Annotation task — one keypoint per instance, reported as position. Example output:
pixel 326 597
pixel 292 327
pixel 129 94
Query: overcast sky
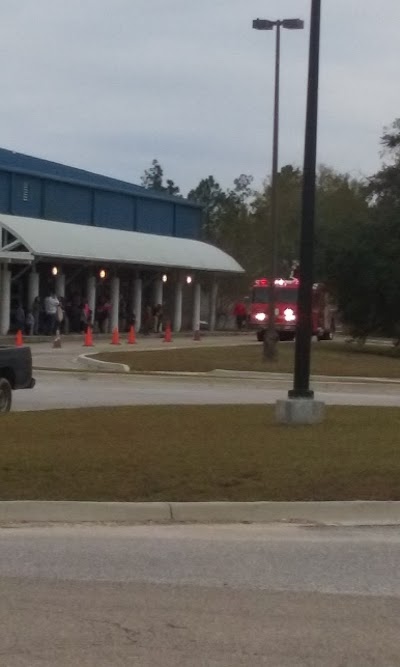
pixel 108 85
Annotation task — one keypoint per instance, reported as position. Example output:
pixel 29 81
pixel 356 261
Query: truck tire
pixel 5 395
pixel 260 336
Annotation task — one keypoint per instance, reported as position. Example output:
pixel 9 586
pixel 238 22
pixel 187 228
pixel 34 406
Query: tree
pixel 235 230
pixel 227 222
pixel 289 211
pixel 362 248
pixel 384 186
pixel 171 188
pixel 357 234
pixel 390 139
pixel 153 179
pixel 341 207
pixel 211 197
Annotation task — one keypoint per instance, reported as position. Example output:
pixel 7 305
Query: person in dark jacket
pixel 240 314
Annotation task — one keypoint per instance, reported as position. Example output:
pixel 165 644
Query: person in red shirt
pixel 240 313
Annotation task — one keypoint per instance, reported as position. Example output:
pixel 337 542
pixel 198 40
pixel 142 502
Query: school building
pixel 91 237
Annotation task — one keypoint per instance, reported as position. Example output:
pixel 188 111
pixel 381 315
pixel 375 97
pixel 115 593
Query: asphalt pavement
pixel 194 596
pixel 85 389
pixel 71 386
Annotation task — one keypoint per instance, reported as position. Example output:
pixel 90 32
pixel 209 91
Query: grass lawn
pixel 199 453
pixel 327 359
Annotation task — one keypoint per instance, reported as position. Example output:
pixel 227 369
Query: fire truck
pixel 286 292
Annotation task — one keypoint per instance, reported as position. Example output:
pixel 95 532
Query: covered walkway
pixel 134 271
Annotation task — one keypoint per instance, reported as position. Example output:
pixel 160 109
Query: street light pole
pixel 301 385
pixel 271 336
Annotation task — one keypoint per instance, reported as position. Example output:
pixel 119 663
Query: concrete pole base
pixel 299 411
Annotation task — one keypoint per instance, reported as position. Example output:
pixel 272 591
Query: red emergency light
pixel 280 282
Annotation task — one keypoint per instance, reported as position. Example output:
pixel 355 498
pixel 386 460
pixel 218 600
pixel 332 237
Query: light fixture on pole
pixel 270 337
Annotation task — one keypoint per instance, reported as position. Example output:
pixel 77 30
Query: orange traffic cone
pixel 115 337
pixel 168 334
pixel 18 339
pixel 88 338
pixel 132 336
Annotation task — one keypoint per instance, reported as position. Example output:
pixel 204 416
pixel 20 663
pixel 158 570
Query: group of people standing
pixel 51 314
pixel 46 316
pixel 54 313
pixel 42 317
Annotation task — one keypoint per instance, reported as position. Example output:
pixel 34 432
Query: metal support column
pixel 137 302
pixel 177 325
pixel 5 300
pixel 196 306
pixel 114 302
pixel 91 295
pixel 33 288
pixel 60 285
pixel 158 292
pixel 213 305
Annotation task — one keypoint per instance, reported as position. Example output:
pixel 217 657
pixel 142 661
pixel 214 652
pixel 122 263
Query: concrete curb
pixel 63 511
pixel 329 513
pixel 105 366
pixel 348 513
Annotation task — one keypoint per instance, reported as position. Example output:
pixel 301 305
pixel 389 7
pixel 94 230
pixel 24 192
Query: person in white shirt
pixel 51 304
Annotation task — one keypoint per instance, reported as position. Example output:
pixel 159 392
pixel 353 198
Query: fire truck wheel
pixel 260 336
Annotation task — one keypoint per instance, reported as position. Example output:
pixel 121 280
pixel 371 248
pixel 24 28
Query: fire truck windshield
pixel 282 294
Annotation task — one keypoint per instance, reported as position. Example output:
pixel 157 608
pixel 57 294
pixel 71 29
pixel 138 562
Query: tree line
pixel 357 233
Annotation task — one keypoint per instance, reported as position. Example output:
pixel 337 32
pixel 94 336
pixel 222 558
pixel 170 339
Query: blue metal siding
pixel 5 192
pixel 26 196
pixel 33 166
pixel 40 188
pixel 114 210
pixel 155 217
pixel 67 203
pixel 187 223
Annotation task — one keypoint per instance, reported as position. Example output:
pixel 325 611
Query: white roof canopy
pixel 47 239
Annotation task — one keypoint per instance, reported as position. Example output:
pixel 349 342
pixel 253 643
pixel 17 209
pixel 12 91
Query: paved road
pixel 69 390
pixel 223 596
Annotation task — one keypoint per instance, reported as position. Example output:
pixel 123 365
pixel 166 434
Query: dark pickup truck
pixel 15 373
